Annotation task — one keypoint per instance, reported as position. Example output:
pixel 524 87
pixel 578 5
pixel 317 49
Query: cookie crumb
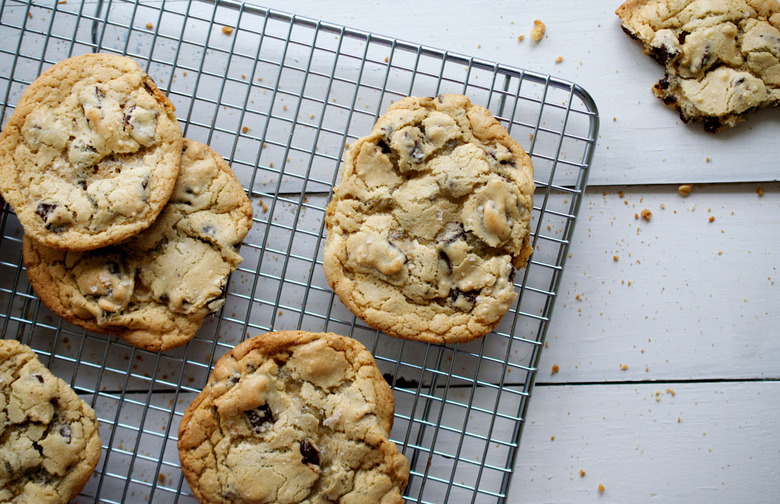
pixel 646 214
pixel 624 367
pixel 615 258
pixel 707 160
pixel 552 438
pixel 387 59
pixel 601 488
pixel 759 191
pixel 684 190
pixel 712 218
pixel 245 129
pixel 520 38
pixel 149 26
pixel 559 59
pixel 538 30
pixel 582 473
pixel 227 30
pixel 555 368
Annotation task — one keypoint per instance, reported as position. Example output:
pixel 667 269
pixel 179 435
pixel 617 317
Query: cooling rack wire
pixel 279 96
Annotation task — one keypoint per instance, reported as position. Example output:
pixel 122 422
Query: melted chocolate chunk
pixel 259 417
pixel 681 37
pixel 66 433
pixel 309 453
pixel 44 209
pixel 457 297
pixel 385 148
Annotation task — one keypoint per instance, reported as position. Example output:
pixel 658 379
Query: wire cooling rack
pixel 280 96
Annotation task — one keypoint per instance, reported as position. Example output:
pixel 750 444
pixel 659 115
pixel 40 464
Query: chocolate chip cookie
pixel 430 220
pixel 722 58
pixel 91 153
pixel 291 417
pixel 155 288
pixel 49 440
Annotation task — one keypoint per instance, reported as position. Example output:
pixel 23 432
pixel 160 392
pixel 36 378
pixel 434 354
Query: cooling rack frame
pixel 280 96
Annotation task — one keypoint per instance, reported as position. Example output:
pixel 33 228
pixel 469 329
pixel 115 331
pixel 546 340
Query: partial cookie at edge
pixel 51 443
pixel 722 59
pixel 292 415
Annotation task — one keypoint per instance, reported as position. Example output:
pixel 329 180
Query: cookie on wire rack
pixel 721 58
pixel 156 288
pixel 49 439
pixel 293 416
pixel 430 220
pixel 91 153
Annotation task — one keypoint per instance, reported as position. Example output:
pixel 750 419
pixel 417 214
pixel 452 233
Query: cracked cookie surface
pixel 721 57
pixel 91 153
pixel 49 440
pixel 155 288
pixel 430 220
pixel 291 417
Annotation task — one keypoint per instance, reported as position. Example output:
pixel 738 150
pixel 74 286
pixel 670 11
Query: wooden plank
pixel 641 140
pixel 682 442
pixel 686 297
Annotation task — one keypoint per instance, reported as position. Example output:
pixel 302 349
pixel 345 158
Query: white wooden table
pixel 669 357
pixel 665 332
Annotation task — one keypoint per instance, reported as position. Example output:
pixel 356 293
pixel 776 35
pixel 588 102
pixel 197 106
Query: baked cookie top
pixel 155 288
pixel 91 153
pixel 291 417
pixel 430 220
pixel 722 57
pixel 49 440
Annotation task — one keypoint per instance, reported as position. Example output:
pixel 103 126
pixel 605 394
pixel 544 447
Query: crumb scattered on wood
pixel 538 30
pixel 684 190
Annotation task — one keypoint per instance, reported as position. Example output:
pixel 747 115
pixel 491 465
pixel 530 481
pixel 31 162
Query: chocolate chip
pixel 209 230
pixel 145 183
pixel 681 37
pixel 459 297
pixel 385 148
pixel 38 377
pixel 99 94
pixel 309 453
pixel 66 433
pixel 416 152
pixel 739 81
pixel 259 417
pixel 663 83
pixel 44 209
pixel 112 267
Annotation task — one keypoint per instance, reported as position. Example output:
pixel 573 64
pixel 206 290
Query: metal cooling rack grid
pixel 279 96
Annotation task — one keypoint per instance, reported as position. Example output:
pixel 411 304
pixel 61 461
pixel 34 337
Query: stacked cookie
pixel 721 58
pixel 129 229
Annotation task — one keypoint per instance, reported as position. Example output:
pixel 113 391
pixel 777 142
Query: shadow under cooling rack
pixel 280 96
